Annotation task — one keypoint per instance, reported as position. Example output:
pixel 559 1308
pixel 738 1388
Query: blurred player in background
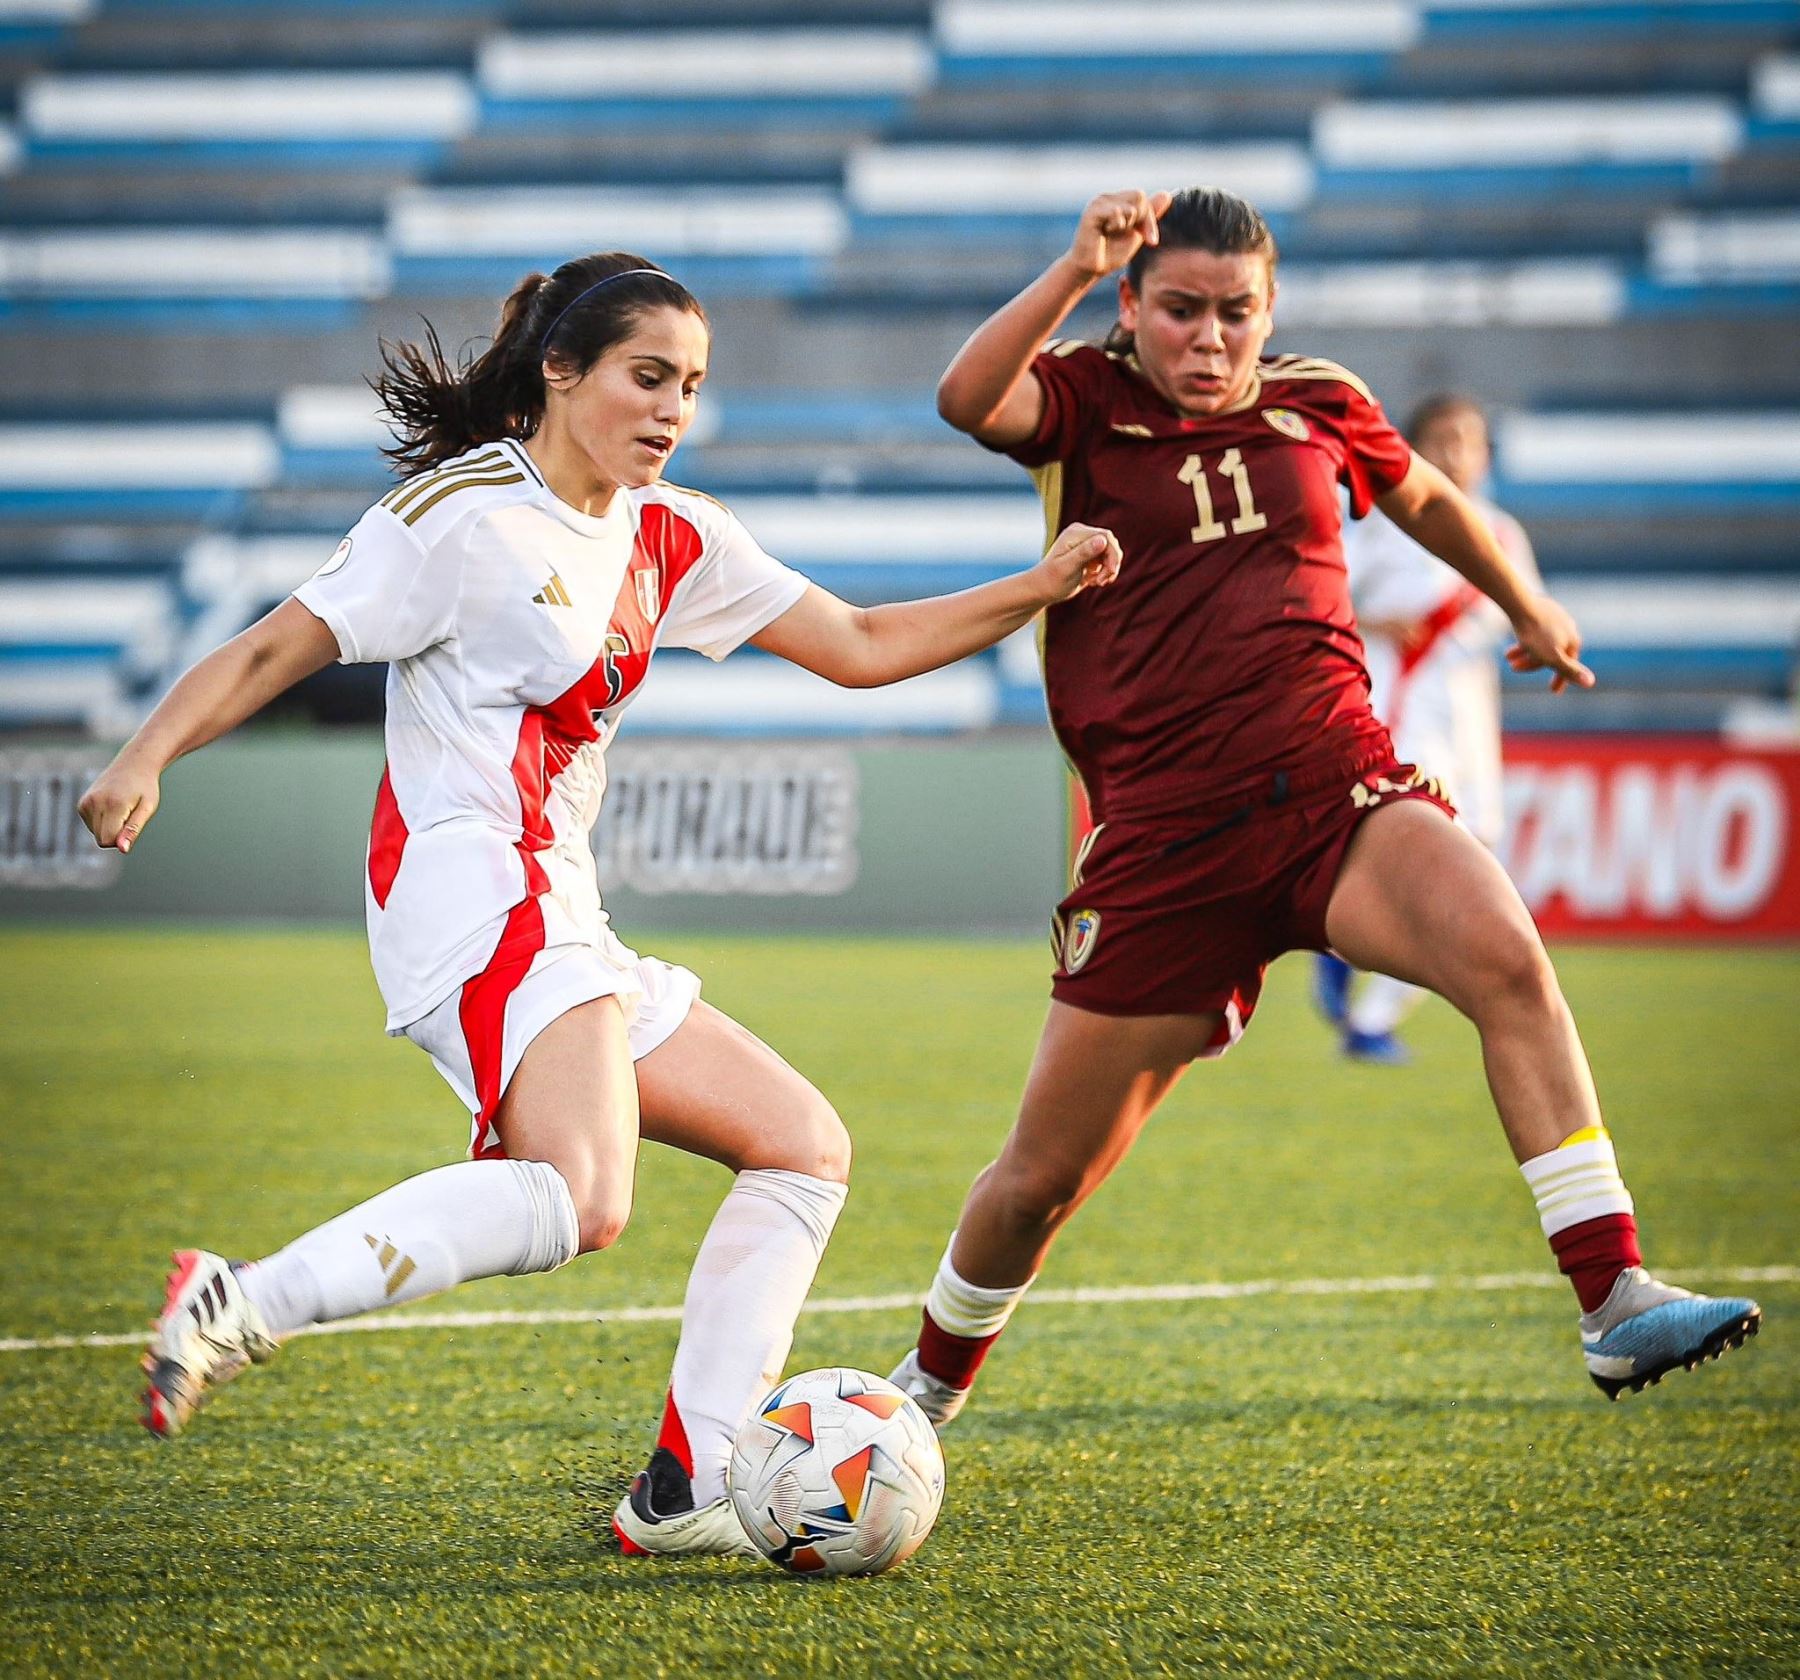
pixel 1431 640
pixel 1246 799
pixel 517 582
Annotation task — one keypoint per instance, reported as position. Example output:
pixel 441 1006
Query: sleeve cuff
pixel 782 594
pixel 320 606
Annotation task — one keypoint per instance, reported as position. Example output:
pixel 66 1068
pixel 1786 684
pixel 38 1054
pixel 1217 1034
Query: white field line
pixel 1126 1294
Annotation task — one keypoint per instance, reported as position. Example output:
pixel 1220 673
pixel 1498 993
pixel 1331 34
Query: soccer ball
pixel 837 1473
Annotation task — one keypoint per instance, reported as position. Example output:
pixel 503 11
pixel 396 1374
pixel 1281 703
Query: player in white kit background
pixel 1432 644
pixel 517 582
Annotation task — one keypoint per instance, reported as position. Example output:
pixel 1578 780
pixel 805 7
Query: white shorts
pixel 477 1035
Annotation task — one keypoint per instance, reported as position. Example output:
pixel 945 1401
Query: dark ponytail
pixel 570 319
pixel 1200 219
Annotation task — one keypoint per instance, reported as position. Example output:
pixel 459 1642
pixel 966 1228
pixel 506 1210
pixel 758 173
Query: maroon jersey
pixel 1227 650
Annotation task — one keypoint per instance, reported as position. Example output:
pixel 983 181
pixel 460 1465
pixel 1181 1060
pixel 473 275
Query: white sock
pixel 749 1281
pixel 961 1308
pixel 1381 1003
pixel 475 1219
pixel 1577 1181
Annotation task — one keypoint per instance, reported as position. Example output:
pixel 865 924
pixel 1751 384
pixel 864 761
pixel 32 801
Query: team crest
pixel 1083 936
pixel 1288 423
pixel 649 591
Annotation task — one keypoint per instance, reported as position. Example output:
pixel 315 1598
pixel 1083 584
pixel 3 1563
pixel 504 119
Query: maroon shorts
pixel 1169 918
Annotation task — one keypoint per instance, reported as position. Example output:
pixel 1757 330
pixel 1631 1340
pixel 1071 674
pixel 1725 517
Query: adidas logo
pixel 553 594
pixel 398 1267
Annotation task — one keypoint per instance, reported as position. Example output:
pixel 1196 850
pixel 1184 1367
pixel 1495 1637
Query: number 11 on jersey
pixel 1210 528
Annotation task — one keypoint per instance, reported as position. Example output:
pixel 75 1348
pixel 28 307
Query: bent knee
pixel 1038 1195
pixel 1511 969
pixel 602 1222
pixel 815 1142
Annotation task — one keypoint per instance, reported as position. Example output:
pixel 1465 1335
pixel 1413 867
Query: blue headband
pixel 623 274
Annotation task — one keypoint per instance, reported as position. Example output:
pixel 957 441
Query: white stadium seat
pixel 967 180
pixel 46 11
pixel 1451 134
pixel 1726 249
pixel 1736 448
pixel 1569 292
pixel 1685 612
pixel 271 105
pixel 1775 88
pixel 972 530
pixel 195 262
pixel 152 456
pixel 691 693
pixel 1174 28
pixel 511 221
pixel 704 64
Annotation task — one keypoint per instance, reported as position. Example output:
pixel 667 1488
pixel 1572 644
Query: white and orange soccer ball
pixel 837 1473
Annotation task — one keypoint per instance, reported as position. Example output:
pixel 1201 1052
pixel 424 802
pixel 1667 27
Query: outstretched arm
pixel 864 647
pixel 231 683
pixel 989 390
pixel 1438 516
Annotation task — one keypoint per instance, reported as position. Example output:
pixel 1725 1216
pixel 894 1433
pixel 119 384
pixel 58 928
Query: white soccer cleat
pixel 1646 1328
pixel 936 1398
pixel 658 1517
pixel 207 1333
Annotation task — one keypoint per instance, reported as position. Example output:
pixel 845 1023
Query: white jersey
pixel 1441 697
pixel 517 631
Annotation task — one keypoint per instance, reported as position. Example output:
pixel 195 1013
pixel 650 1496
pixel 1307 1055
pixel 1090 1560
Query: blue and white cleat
pixel 1646 1329
pixel 1381 1049
pixel 1331 987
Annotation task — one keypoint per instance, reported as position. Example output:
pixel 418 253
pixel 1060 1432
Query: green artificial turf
pixel 1411 1481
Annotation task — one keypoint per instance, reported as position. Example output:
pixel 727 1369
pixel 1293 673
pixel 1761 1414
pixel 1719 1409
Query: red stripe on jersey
pixel 387 840
pixel 529 779
pixel 1437 624
pixel 482 1009
pixel 666 548
pixel 1433 628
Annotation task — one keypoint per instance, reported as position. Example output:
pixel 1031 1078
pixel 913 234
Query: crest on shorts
pixel 1079 942
pixel 1288 423
pixel 648 581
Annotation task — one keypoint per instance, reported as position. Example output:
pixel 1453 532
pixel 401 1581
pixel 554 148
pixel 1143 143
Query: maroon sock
pixel 951 1359
pixel 1593 1253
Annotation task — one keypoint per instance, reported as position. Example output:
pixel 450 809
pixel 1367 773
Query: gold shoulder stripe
pixel 469 481
pixel 1131 429
pixel 1316 367
pixel 395 500
pixel 1066 346
pixel 407 487
pixel 689 490
pixel 1049 481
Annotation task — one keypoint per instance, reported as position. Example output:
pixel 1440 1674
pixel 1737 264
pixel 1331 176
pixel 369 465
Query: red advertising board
pixel 1654 836
pixel 1647 836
